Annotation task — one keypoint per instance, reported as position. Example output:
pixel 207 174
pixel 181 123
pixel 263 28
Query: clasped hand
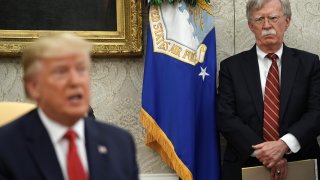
pixel 270 154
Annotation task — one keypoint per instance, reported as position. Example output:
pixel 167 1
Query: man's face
pixel 61 87
pixel 269 25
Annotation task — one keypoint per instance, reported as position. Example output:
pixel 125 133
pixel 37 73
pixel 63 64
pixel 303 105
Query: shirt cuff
pixel 291 142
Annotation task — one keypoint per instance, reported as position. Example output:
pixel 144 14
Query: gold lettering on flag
pixel 169 47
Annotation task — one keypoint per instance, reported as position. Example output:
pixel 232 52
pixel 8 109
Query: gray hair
pixel 257 4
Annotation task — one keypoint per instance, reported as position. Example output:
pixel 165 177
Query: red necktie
pixel 272 102
pixel 74 166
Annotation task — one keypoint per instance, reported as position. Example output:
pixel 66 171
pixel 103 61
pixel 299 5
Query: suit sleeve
pixel 2 177
pixel 135 170
pixel 232 127
pixel 3 171
pixel 308 127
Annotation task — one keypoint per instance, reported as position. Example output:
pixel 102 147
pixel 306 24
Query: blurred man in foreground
pixel 56 141
pixel 269 97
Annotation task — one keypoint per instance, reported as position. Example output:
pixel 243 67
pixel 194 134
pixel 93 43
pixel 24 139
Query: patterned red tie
pixel 74 166
pixel 272 102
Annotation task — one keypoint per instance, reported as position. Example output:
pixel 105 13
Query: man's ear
pixel 32 88
pixel 250 25
pixel 288 21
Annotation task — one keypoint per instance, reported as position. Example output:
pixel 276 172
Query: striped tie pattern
pixel 271 102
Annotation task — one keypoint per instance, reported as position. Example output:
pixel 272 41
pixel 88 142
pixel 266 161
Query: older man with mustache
pixel 269 97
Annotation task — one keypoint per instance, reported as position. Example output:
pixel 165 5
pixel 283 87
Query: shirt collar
pixel 262 55
pixel 57 131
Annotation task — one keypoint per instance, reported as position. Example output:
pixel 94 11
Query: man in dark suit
pixel 269 97
pixel 57 141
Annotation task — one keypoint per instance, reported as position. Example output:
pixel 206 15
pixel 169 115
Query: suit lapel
pixel 289 66
pixel 41 148
pixel 252 76
pixel 97 152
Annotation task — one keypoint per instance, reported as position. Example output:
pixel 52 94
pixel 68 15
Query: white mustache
pixel 268 32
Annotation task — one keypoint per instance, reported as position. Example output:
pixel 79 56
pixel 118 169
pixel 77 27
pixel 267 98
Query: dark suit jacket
pixel 26 151
pixel 240 106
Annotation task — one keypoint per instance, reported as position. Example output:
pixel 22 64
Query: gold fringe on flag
pixel 158 141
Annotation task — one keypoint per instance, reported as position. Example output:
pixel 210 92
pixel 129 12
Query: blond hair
pixel 50 46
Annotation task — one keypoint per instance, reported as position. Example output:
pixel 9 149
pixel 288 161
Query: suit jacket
pixel 240 106
pixel 26 151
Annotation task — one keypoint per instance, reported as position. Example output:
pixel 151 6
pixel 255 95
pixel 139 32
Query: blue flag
pixel 179 89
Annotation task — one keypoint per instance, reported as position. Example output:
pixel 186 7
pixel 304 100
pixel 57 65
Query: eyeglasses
pixel 271 19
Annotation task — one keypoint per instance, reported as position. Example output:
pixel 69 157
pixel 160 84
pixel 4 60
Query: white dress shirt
pixel 264 65
pixel 56 133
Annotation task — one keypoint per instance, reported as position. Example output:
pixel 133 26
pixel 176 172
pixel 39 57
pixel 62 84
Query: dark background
pixel 80 15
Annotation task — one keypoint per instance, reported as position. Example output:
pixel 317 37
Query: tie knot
pixel 272 56
pixel 71 135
